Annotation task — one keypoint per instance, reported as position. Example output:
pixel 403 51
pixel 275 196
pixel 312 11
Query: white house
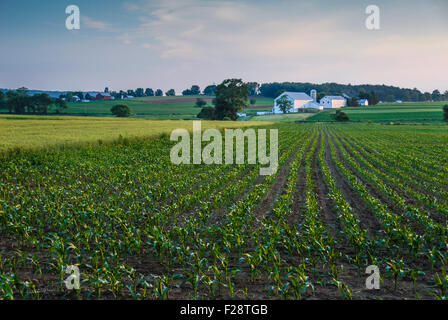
pixel 363 102
pixel 333 102
pixel 298 99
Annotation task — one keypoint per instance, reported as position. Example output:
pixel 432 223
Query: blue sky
pixel 176 43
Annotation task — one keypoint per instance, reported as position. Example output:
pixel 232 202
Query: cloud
pixel 95 24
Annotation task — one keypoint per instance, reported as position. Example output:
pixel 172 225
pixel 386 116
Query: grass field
pixel 283 117
pixel 42 131
pixel 405 112
pixel 345 197
pixel 162 108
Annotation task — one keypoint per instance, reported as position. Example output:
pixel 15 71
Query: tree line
pixel 383 92
pixel 19 102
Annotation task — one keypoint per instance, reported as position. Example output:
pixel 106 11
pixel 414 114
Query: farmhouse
pixel 301 100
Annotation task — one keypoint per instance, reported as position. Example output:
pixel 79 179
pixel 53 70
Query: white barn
pixel 333 102
pixel 298 99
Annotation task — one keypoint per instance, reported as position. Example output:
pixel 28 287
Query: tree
pixel 373 99
pixel 106 90
pixel 139 92
pixel 42 102
pixel 2 100
pixel 170 93
pixel 427 96
pixel 341 116
pixel 284 104
pixel 69 97
pixel 253 88
pixel 200 103
pixel 352 102
pixel 210 90
pixel 60 104
pixel 131 93
pixel 207 113
pixel 231 96
pixel 149 92
pixel 159 93
pixel 445 112
pixel 279 92
pixel 121 110
pixel 195 90
pixel 436 96
pixel 253 101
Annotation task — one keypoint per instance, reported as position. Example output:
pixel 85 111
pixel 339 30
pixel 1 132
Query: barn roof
pixel 297 95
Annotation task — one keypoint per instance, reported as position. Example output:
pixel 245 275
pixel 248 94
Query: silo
pixel 313 95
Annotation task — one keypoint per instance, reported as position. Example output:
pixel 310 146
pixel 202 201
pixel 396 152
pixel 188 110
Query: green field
pixel 405 112
pixel 163 108
pixel 283 117
pixel 344 197
pixel 34 132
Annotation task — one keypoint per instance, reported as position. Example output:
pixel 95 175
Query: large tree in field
pixel 284 104
pixel 231 96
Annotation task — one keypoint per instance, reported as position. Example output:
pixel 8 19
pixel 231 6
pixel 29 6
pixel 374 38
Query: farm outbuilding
pixel 333 102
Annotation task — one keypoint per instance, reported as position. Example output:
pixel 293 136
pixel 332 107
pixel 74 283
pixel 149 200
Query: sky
pixel 178 43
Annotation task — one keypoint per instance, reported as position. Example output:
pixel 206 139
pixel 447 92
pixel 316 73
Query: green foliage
pixel 195 90
pixel 207 113
pixel 273 90
pixel 341 116
pixel 445 112
pixel 170 93
pixel 159 93
pixel 284 104
pixel 200 103
pixel 121 110
pixel 252 102
pixel 210 90
pixel 231 96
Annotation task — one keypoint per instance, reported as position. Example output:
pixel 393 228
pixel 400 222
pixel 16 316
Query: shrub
pixel 207 113
pixel 445 112
pixel 253 101
pixel 121 110
pixel 341 116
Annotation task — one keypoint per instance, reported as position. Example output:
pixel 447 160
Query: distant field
pixel 162 108
pixel 283 117
pixel 34 132
pixel 406 112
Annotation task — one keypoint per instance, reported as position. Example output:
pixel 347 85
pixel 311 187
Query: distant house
pixel 398 101
pixel 363 102
pixel 333 102
pixel 298 99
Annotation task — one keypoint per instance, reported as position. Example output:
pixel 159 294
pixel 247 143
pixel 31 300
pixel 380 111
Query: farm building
pixel 298 99
pixel 301 100
pixel 363 102
pixel 333 102
pixel 103 96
